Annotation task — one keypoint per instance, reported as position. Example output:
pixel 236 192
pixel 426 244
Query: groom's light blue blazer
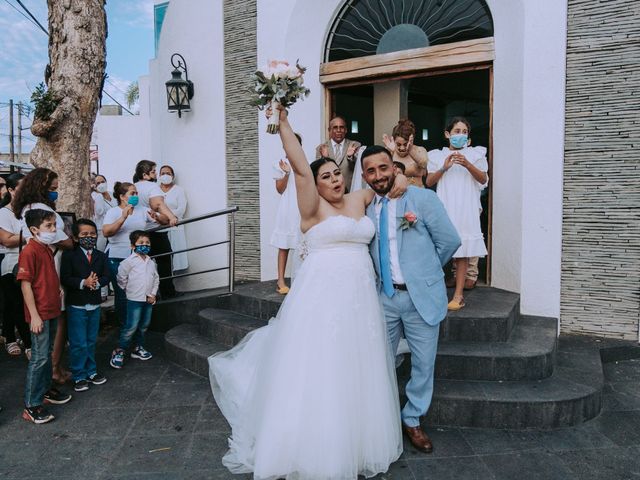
pixel 423 248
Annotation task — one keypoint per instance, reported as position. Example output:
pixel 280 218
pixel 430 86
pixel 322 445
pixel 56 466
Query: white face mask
pixel 102 188
pixel 166 179
pixel 47 238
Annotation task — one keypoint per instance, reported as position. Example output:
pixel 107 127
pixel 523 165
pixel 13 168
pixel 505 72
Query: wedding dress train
pixel 313 394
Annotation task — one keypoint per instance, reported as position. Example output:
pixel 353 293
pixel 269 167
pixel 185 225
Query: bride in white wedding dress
pixel 313 395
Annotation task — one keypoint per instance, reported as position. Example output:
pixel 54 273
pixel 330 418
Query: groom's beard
pixel 383 186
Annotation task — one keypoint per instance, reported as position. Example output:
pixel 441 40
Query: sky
pixel 23 54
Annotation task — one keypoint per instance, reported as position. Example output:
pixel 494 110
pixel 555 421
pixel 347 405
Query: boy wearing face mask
pixel 84 271
pixel 41 290
pixel 138 277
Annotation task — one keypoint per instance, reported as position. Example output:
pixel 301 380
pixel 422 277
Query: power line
pixel 123 107
pixel 21 13
pixel 38 24
pixel 34 18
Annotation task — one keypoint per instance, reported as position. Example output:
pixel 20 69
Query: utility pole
pixel 20 132
pixel 11 152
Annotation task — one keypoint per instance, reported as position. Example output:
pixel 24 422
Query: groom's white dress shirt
pixel 394 257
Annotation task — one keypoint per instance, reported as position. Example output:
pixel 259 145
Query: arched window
pixel 371 27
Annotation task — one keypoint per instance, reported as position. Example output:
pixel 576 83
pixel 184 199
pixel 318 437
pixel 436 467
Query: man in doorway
pixel 340 149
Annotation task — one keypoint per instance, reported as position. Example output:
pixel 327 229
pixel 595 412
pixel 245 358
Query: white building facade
pixel 223 156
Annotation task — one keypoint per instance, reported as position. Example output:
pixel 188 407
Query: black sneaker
pixel 96 379
pixel 55 397
pixel 81 386
pixel 37 415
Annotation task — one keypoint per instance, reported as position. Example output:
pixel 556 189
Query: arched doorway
pixel 427 60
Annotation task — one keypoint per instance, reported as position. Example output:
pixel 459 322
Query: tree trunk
pixel 77 60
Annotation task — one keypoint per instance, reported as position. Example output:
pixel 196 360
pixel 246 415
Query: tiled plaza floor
pixel 154 420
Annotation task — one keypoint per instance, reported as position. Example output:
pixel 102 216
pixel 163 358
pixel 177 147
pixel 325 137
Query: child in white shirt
pixel 138 277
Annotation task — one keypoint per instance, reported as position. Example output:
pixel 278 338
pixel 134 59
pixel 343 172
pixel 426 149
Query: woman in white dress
pixel 176 199
pixel 460 171
pixel 102 202
pixel 286 234
pixel 313 395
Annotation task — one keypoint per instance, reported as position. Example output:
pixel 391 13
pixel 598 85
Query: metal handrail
pixel 231 241
pixel 217 213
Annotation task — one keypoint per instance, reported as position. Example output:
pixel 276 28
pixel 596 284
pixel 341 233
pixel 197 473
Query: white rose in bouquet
pixel 277 83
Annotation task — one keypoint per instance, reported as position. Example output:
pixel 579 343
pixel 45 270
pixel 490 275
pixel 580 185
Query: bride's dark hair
pixel 315 166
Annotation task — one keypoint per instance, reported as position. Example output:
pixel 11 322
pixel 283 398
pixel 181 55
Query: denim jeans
pixel 82 328
pixel 39 370
pixel 138 320
pixel 119 295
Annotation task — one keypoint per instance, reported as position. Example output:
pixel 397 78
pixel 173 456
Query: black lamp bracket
pixel 179 63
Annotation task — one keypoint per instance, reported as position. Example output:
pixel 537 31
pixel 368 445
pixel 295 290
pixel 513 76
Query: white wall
pixel 543 153
pixel 528 126
pixel 194 145
pixel 124 140
pixel 290 30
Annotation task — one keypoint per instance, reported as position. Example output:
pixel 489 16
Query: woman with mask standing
pixel 118 223
pixel 152 198
pixel 10 238
pixel 461 174
pixel 39 189
pixel 176 200
pixel 102 203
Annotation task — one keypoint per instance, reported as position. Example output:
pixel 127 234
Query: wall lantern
pixel 179 90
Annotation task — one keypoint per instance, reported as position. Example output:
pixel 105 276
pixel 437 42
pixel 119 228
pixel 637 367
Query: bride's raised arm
pixel 308 198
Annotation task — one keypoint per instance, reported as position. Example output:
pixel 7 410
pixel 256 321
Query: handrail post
pixel 232 250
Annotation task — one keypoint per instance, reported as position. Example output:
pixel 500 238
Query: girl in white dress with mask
pixel 460 171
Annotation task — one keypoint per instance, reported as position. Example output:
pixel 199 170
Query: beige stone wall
pixel 240 33
pixel 600 291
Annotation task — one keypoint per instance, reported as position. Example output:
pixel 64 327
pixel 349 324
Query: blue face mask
pixel 142 249
pixel 459 141
pixel 53 196
pixel 133 200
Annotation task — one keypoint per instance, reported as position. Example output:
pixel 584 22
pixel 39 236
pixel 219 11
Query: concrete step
pixel 489 316
pixel 572 395
pixel 529 354
pixel 225 326
pixel 185 346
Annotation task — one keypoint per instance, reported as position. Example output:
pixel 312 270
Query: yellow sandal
pixel 455 305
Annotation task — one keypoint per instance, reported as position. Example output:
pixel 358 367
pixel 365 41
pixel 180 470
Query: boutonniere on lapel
pixel 408 220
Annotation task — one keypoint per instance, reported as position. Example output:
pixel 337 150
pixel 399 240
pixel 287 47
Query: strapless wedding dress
pixel 313 395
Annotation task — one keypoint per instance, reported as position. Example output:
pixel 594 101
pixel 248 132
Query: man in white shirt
pixel 339 148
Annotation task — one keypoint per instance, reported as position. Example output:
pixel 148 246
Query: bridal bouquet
pixel 277 83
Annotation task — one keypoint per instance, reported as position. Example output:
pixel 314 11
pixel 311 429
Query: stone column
pixel 389 106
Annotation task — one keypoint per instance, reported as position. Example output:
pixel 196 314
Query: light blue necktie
pixel 385 261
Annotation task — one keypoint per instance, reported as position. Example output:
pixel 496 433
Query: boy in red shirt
pixel 42 304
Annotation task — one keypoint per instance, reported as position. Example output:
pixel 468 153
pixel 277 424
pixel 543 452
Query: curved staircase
pixel 495 368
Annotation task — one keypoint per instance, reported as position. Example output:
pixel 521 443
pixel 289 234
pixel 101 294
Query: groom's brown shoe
pixel 418 438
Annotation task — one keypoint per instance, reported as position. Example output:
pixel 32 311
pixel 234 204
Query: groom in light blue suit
pixel 414 240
